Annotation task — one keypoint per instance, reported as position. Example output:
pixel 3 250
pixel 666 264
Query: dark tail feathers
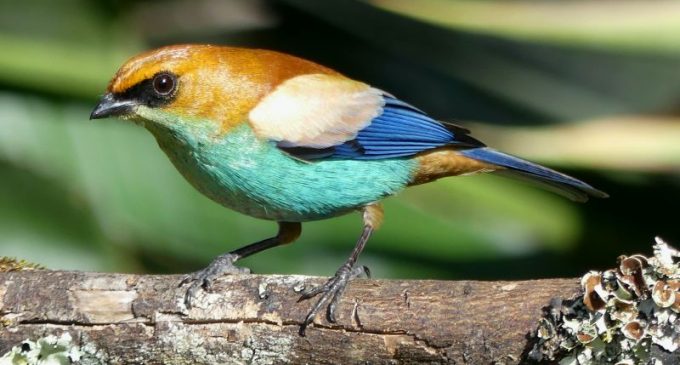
pixel 549 179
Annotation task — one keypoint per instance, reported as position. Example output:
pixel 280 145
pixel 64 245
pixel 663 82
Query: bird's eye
pixel 164 84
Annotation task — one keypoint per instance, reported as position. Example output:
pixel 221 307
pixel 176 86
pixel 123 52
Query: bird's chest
pixel 254 177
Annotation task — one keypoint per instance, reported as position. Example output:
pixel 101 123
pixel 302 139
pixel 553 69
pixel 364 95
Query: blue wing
pixel 400 131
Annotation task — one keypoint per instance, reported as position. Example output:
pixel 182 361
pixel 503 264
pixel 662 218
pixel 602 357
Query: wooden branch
pixel 126 319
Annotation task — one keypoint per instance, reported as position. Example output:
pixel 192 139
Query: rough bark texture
pixel 255 319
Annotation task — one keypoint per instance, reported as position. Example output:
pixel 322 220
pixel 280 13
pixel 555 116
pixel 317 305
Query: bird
pixel 285 139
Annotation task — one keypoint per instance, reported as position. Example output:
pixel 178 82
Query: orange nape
pixel 220 84
pixel 281 138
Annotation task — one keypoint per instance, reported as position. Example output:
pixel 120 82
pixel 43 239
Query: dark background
pixel 590 88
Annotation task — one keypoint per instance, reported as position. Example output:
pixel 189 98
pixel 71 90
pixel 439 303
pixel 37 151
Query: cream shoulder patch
pixel 316 110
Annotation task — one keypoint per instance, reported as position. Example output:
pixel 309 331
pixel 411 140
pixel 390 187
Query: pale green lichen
pixel 622 314
pixel 9 264
pixel 53 350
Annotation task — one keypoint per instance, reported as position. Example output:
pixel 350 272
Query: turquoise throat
pixel 252 176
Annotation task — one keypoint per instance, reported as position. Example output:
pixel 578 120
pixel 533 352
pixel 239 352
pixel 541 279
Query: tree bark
pixel 135 319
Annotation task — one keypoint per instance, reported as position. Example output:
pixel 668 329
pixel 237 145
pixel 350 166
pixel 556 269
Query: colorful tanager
pixel 281 138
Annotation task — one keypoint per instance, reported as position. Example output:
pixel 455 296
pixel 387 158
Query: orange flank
pixel 443 162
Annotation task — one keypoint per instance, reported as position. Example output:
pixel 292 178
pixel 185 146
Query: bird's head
pixel 184 85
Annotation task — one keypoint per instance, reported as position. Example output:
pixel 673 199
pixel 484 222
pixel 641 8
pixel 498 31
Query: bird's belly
pixel 256 178
pixel 302 193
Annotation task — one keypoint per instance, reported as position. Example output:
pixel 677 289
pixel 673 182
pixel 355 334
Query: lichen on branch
pixel 627 315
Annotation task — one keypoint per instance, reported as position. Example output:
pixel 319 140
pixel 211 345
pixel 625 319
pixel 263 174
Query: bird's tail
pixel 552 180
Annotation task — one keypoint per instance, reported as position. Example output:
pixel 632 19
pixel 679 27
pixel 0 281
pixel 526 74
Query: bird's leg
pixel 224 264
pixel 332 290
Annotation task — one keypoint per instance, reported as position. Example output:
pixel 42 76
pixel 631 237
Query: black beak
pixel 110 106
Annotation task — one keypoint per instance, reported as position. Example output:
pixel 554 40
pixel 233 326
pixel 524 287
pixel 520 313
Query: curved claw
pixel 331 292
pixel 361 271
pixel 190 295
pixel 312 313
pixel 203 279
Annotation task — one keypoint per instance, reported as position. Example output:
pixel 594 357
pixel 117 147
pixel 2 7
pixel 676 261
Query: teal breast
pixel 252 176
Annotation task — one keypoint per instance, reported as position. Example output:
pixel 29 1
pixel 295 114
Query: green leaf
pixel 628 25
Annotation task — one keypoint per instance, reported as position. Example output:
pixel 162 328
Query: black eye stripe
pixel 146 93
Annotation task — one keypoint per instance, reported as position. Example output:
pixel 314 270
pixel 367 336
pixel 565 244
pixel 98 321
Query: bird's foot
pixel 203 279
pixel 330 292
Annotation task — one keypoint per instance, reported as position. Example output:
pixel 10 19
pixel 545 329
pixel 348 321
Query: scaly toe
pixel 316 290
pixel 204 279
pixel 331 292
pixel 315 309
pixel 333 305
pixel 186 279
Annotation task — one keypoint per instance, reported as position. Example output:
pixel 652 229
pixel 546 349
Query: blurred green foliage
pixel 595 92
